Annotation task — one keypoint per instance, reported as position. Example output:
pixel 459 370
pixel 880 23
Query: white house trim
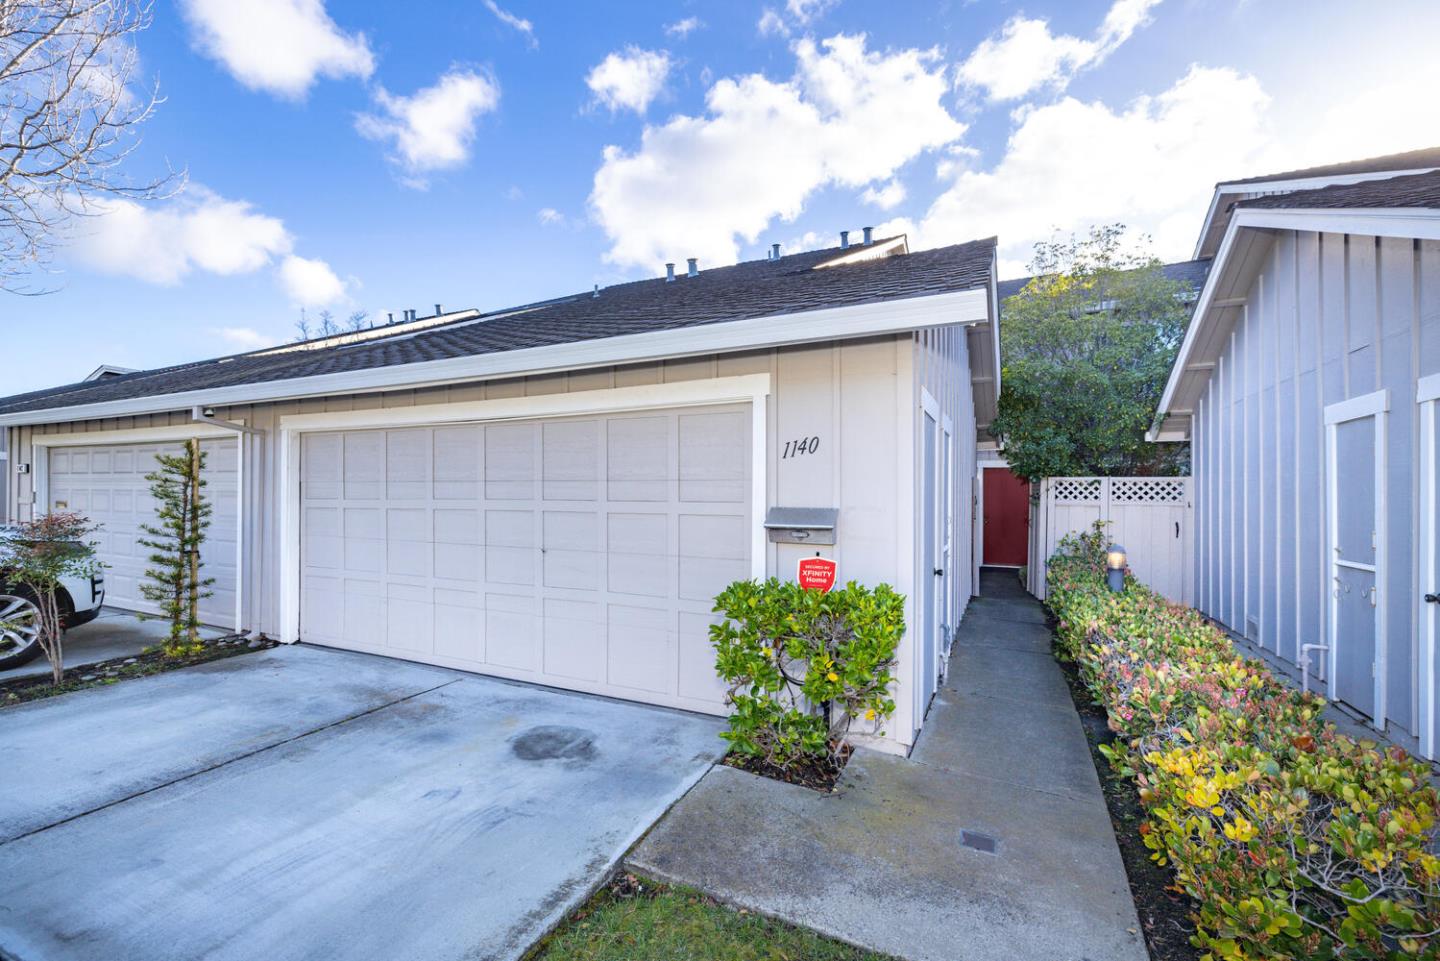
pixel 40 457
pixel 1427 388
pixel 835 323
pixel 749 388
pixel 1366 405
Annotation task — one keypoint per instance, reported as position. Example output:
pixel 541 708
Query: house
pixel 555 492
pixel 1307 388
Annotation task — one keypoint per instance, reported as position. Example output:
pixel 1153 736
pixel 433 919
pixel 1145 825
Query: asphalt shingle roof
pixel 1415 190
pixel 1409 160
pixel 757 288
pixel 1189 272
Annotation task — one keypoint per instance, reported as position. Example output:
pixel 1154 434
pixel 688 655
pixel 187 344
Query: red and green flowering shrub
pixel 1293 840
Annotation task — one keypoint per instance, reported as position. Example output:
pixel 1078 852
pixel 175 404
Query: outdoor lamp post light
pixel 1115 567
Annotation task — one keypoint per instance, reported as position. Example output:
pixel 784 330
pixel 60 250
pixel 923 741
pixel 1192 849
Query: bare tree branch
pixel 69 119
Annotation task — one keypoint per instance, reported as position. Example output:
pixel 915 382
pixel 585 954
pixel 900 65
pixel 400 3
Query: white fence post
pixel 1150 517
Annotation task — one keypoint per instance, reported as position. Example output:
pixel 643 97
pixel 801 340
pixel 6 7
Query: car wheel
pixel 19 628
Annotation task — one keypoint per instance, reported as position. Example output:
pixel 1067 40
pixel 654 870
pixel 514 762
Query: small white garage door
pixel 582 553
pixel 107 484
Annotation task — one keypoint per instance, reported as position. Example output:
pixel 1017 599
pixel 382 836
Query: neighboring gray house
pixel 1307 387
pixel 555 492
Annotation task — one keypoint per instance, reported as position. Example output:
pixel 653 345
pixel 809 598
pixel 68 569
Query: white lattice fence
pixel 1149 516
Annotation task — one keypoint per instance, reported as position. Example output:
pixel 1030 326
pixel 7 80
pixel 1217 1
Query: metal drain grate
pixel 978 841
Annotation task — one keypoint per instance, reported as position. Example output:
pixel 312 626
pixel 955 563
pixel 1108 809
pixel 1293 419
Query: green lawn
pixel 674 924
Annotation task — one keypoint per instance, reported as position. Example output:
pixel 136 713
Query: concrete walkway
pixel 1002 760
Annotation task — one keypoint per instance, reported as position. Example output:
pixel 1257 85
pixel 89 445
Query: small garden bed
pixel 634 919
pixel 1165 912
pixel 151 661
pixel 1290 839
pixel 820 773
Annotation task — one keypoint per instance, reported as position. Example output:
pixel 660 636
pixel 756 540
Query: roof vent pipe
pixel 774 251
pixel 391 316
pixel 694 266
pixel 844 240
pixel 868 238
pixel 669 273
pixel 597 291
pixel 438 311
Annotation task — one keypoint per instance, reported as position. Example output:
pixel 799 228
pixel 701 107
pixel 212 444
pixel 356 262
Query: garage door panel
pixel 637 460
pixel 710 469
pixel 574 640
pixel 458 462
pixel 322 463
pixel 364 466
pixel 589 570
pixel 512 631
pixel 460 625
pixel 510 462
pixel 570 460
pixel 697 680
pixel 638 560
pixel 642 650
pixel 107 484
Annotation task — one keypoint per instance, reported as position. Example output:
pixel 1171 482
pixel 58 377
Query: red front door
pixel 1007 518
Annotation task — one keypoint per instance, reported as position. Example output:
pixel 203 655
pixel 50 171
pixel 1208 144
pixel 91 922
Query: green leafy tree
pixel 1086 348
pixel 175 539
pixel 35 556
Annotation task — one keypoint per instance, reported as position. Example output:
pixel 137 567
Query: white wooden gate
pixel 1149 516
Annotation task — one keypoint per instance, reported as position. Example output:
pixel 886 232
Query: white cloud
pixel 887 196
pixel 549 216
pixel 311 283
pixel 279 46
pixel 1027 56
pixel 696 186
pixel 772 24
pixel 805 11
pixel 434 128
pixel 200 230
pixel 629 80
pixel 245 338
pixel 683 28
pixel 1072 164
pixel 525 27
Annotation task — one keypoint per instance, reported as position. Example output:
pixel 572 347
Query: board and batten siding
pixel 858 397
pixel 1327 317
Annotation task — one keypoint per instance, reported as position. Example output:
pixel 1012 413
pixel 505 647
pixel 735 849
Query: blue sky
pixel 381 156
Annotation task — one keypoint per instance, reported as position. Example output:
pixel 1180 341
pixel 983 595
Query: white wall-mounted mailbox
pixel 801 525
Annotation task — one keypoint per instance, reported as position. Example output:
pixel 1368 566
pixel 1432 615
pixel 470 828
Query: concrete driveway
pixel 307 803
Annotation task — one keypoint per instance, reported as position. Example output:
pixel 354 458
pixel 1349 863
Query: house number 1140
pixel 805 445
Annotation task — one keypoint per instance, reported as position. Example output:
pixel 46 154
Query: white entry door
pixel 582 552
pixel 106 483
pixel 1355 431
pixel 1428 599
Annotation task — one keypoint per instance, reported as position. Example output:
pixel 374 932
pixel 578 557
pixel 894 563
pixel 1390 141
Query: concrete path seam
pixel 1059 795
pixel 228 761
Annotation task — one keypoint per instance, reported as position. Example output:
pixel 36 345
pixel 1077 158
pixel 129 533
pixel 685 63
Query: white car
pixel 80 599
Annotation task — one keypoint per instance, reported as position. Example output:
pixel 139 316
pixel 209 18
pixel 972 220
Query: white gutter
pixel 857 320
pixel 1411 222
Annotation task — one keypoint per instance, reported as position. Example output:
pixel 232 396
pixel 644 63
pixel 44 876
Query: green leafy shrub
pixel 1294 840
pixel 799 663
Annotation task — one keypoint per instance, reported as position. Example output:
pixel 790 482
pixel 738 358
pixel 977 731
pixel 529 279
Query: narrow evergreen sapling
pixel 175 540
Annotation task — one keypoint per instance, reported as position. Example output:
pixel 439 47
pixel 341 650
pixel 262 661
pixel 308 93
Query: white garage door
pixel 582 553
pixel 107 484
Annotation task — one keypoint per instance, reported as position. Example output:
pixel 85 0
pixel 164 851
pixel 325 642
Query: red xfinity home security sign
pixel 815 573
